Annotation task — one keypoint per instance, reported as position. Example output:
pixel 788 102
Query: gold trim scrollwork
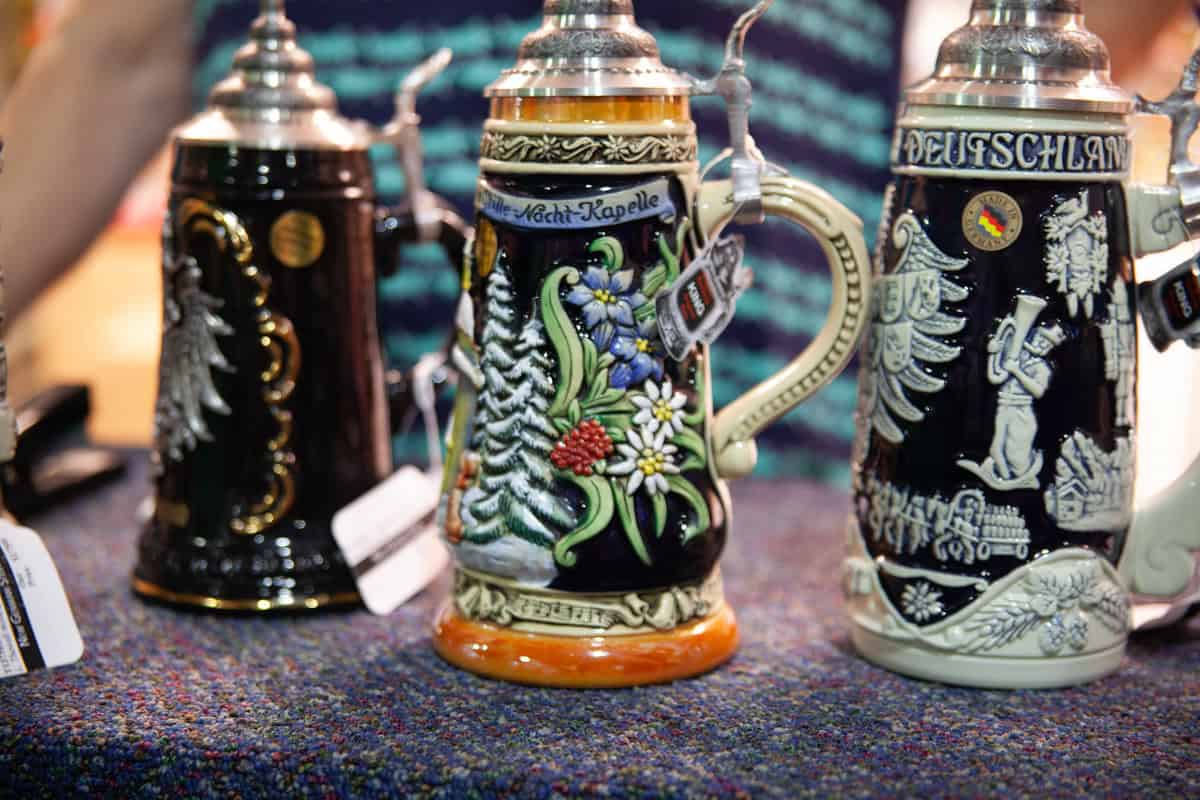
pixel 277 337
pixel 278 340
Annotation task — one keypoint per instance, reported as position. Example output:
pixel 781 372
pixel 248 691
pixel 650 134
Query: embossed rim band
pixel 485 598
pixel 643 150
pixel 1001 153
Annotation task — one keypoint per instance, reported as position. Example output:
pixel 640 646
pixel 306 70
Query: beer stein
pixel 584 495
pixel 993 467
pixel 272 412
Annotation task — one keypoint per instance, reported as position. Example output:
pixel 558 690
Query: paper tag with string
pixel 389 536
pixel 701 303
pixel 38 630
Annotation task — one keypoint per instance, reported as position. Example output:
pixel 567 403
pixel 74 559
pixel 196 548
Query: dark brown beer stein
pixel 272 411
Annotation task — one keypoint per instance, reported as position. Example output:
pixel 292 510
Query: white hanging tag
pixel 390 539
pixel 700 304
pixel 389 536
pixel 38 630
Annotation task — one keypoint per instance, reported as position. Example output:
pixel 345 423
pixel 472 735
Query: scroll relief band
pixel 483 599
pixel 918 151
pixel 546 148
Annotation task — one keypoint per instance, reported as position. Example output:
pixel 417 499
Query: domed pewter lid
pixel 1031 54
pixel 588 48
pixel 272 98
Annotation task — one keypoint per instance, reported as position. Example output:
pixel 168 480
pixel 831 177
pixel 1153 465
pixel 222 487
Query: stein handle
pixel 839 232
pixel 1164 535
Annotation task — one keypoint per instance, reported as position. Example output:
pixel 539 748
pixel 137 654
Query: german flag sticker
pixel 991 221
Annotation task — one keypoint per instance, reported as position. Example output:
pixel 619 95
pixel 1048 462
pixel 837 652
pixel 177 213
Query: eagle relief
pixel 190 352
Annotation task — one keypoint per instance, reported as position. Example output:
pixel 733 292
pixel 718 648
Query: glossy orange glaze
pixel 595 662
pixel 591 109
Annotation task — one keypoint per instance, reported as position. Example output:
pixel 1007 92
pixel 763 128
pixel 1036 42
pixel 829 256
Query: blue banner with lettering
pixel 825 87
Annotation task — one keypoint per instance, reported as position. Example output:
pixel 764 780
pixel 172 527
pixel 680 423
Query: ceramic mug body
pixel 583 467
pixel 271 412
pixel 993 471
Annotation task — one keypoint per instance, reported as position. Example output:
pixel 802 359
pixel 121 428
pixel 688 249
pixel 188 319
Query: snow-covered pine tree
pixel 499 338
pixel 516 493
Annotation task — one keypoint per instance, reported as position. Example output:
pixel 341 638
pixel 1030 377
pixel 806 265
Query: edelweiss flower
pixel 659 407
pixel 647 461
pixel 607 300
pixel 921 602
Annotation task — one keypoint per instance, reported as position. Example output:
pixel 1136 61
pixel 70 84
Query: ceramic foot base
pixel 982 671
pixel 588 661
pixel 152 591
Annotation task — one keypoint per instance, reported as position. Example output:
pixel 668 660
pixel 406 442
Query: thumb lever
pixel 734 87
pixel 404 133
pixel 1181 108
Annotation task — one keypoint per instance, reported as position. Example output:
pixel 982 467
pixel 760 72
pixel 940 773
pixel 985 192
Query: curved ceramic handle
pixel 839 233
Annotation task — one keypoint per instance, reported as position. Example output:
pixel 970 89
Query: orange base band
pixel 585 662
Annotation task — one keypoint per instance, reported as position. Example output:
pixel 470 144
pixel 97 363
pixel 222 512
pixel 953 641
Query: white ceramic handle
pixel 839 233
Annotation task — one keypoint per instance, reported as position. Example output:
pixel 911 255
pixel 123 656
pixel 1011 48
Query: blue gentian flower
pixel 639 352
pixel 608 300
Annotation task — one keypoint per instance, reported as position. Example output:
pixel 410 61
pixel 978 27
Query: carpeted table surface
pixel 168 704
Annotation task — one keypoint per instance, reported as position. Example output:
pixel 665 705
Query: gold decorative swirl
pixel 277 337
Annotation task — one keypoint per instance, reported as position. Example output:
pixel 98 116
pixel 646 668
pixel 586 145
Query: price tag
pixel 390 539
pixel 38 630
pixel 700 304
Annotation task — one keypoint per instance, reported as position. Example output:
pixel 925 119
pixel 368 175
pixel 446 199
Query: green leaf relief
pixel 611 252
pixel 670 259
pixel 684 489
pixel 564 338
pixel 606 360
pixel 612 405
pixel 562 424
pixel 599 511
pixel 589 359
pixel 659 503
pixel 629 521
pixel 695 418
pixel 573 413
pixel 690 441
pixel 653 280
pixel 596 387
pixel 645 311
pixel 615 425
pixel 610 397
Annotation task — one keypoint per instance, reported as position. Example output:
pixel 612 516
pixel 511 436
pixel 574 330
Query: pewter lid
pixel 588 48
pixel 272 98
pixel 1033 54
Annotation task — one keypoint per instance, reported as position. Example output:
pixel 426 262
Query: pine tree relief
pixel 516 496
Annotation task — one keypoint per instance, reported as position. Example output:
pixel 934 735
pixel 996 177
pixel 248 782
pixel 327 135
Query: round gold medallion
pixel 992 221
pixel 297 239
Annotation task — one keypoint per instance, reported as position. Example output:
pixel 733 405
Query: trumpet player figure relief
pixel 1017 363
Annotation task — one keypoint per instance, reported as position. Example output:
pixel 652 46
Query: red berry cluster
pixel 582 446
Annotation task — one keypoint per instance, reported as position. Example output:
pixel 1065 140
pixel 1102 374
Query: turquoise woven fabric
pixel 172 704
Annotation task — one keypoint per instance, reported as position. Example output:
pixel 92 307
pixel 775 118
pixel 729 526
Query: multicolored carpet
pixel 170 704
